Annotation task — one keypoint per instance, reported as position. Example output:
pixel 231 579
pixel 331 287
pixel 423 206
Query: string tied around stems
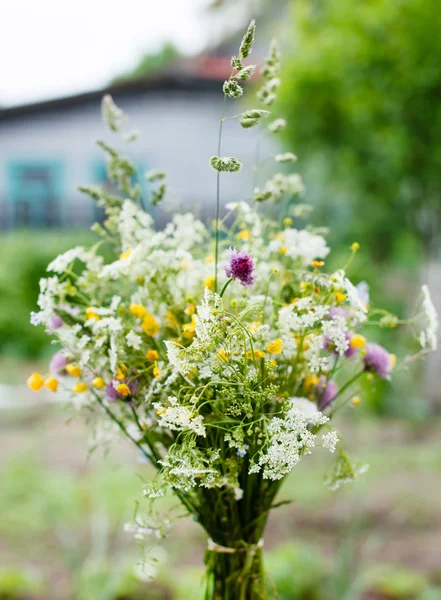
pixel 213 547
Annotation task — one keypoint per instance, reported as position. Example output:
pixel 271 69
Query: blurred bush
pixel 362 89
pixel 25 256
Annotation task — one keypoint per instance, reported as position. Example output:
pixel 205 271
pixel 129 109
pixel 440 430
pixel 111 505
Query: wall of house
pixel 45 155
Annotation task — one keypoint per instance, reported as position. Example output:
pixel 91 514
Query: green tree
pixel 150 63
pixel 362 90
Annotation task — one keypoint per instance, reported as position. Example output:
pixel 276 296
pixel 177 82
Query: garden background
pixel 361 88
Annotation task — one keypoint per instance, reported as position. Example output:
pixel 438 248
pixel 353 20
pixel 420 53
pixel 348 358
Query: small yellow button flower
pixel 91 314
pixel 356 400
pixel 51 383
pixel 152 355
pixel 190 309
pixel 258 354
pixel 223 355
pixel 209 282
pixel 310 381
pixel 209 260
pixel 80 387
pixel 150 325
pixel 138 311
pixel 340 297
pixel 123 390
pixel 357 341
pixel 156 371
pixel 73 370
pixel 98 382
pixel 393 360
pixel 287 221
pixel 35 382
pixel 283 250
pixel 244 235
pixel 172 320
pixel 161 411
pixel 317 264
pixel 275 347
pixel 125 254
pixel 355 246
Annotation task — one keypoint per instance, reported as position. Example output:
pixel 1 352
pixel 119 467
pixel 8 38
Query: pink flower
pixel 328 392
pixel 240 266
pixel 58 364
pixel 378 360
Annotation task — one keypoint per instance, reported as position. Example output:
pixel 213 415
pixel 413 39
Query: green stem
pixel 226 284
pixel 216 255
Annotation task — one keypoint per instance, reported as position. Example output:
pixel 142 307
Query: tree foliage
pixel 363 93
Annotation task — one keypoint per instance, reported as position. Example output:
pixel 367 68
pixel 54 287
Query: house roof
pixel 204 73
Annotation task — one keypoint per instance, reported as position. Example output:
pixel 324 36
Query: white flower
pixel 305 245
pixel 134 340
pixel 429 335
pixel 36 318
pixel 330 440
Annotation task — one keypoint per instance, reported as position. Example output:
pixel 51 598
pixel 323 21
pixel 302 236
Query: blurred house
pixel 47 149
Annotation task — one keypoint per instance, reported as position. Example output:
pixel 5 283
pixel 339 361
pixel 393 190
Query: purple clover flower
pixel 377 360
pixel 56 322
pixel 58 364
pixel 329 391
pixel 240 266
pixel 111 393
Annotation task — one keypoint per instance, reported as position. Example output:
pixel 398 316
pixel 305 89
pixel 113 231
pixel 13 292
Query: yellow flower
pixel 357 341
pixel 138 311
pixel 98 382
pixel 125 254
pixel 256 356
pixel 189 329
pixel 340 297
pixel 150 325
pixel 152 355
pixel 190 309
pixel 91 314
pixel 80 387
pixel 304 285
pixel 161 411
pixel 393 360
pixel 317 264
pixel 272 363
pixel 310 381
pixel 140 280
pixel 73 370
pixel 209 260
pixel 244 235
pixel 123 390
pixel 121 372
pixel 254 326
pixel 287 221
pixel 283 250
pixel 51 383
pixel 156 371
pixel 223 355
pixel 209 282
pixel 355 246
pixel 356 400
pixel 171 318
pixel 275 347
pixel 35 382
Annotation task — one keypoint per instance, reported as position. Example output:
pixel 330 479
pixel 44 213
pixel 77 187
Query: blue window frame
pixel 35 191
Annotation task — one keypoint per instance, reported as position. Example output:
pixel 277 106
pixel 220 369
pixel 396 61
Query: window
pixel 34 193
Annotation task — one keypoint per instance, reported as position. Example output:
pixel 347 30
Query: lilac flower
pixel 58 364
pixel 111 393
pixel 329 391
pixel 378 360
pixel 337 311
pixel 56 322
pixel 240 266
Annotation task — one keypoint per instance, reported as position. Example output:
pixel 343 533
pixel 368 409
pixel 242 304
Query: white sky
pixel 51 48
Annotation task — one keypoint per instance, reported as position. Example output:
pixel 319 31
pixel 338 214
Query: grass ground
pixel 62 516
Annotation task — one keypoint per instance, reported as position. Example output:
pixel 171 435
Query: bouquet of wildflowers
pixel 222 355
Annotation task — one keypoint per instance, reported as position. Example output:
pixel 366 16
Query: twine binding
pixel 213 547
